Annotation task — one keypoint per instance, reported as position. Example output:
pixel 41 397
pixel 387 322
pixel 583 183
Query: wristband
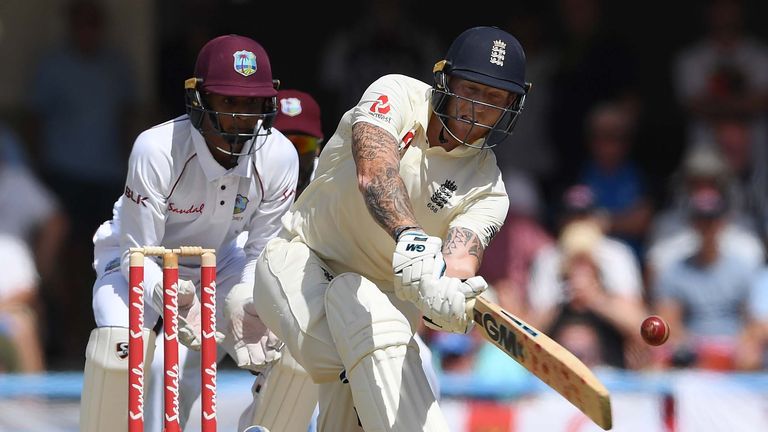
pixel 400 230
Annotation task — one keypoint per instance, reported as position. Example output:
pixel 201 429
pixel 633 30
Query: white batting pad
pixel 376 346
pixel 284 398
pixel 337 409
pixel 104 401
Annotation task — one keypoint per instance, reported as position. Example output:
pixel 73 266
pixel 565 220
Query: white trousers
pixel 291 283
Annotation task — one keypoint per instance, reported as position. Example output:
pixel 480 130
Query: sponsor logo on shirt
pixel 380 108
pixel 490 233
pixel 241 203
pixel 111 267
pixel 441 196
pixel 191 210
pixel 135 197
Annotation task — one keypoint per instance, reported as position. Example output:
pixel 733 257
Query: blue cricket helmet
pixel 489 56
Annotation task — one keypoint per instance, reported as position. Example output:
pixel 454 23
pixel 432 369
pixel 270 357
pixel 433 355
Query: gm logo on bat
pixel 503 336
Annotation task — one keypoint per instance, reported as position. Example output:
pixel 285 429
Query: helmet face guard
pixel 497 132
pixel 197 110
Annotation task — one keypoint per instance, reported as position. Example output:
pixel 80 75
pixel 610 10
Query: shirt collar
pixel 422 118
pixel 458 152
pixel 211 168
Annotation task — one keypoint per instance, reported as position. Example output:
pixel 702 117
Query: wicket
pixel 171 342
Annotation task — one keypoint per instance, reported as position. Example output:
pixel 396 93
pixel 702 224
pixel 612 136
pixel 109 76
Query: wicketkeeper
pixel 201 179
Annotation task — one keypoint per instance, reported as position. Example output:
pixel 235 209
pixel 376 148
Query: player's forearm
pixel 378 178
pixel 463 253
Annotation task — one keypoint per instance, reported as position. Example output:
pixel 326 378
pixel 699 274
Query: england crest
pixel 245 62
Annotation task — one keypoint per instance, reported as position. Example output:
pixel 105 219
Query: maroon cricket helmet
pixel 298 112
pixel 234 65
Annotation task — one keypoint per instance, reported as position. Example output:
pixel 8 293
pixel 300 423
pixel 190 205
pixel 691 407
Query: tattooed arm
pixel 463 253
pixel 378 178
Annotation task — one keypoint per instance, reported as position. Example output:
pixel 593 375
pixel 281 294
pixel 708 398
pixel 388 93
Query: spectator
pixel 588 274
pixel 754 348
pixel 673 237
pixel 30 213
pixel 83 114
pixel 589 54
pixel 455 351
pixel 618 183
pixel 723 73
pixel 385 40
pixel 581 335
pixel 18 309
pixel 11 149
pixel 299 120
pixel 508 260
pixel 744 159
pixel 530 150
pixel 704 295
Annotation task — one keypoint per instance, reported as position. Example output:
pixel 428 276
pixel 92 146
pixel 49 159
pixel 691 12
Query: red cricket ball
pixel 655 330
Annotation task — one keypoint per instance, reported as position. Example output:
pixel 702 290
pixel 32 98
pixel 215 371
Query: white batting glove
pixel 417 257
pixel 447 303
pixel 250 343
pixel 189 313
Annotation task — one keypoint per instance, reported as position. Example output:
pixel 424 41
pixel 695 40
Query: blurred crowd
pixel 598 234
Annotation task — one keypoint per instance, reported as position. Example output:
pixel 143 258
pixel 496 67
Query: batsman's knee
pixel 362 319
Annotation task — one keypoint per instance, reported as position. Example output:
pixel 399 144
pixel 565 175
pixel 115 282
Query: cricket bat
pixel 546 359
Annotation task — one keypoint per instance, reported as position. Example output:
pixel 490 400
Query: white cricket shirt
pixel 461 188
pixel 176 194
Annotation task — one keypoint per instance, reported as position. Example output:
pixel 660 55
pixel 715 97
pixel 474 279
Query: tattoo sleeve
pixel 378 176
pixel 463 241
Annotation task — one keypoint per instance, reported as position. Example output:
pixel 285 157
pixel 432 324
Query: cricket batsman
pixel 406 196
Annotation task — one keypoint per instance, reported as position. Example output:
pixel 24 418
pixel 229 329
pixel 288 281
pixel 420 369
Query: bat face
pixel 502 336
pixel 546 359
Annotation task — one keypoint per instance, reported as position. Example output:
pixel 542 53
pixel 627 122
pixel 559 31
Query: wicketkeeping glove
pixel 250 343
pixel 417 257
pixel 189 313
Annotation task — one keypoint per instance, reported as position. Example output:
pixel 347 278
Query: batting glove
pixel 417 257
pixel 447 303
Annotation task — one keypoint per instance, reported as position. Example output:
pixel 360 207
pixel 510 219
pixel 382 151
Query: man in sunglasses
pixel 298 118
